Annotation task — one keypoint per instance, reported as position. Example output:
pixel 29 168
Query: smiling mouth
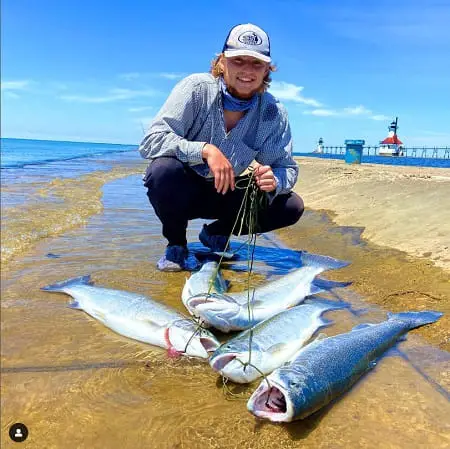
pixel 246 81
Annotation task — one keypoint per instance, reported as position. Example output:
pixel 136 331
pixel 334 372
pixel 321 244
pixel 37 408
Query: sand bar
pixel 406 208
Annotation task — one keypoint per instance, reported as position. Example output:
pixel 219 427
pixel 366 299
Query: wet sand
pixel 75 383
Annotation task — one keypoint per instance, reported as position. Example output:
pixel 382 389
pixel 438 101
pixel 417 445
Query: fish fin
pixel 149 322
pixel 416 319
pixel 325 322
pixel 74 305
pixel 60 286
pixel 394 352
pixel 321 336
pixel 99 315
pixel 258 303
pixel 314 289
pixel 325 262
pixel 326 284
pixel 362 326
pixel 278 348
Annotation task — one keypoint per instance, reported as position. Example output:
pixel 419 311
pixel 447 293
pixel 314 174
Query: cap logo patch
pixel 250 38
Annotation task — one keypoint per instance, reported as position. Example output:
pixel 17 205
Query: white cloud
pixel 140 109
pixel 113 95
pixel 15 85
pixel 357 110
pixel 322 112
pixel 347 112
pixel 291 92
pixel 171 76
pixel 380 117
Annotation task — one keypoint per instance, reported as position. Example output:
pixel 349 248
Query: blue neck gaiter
pixel 232 103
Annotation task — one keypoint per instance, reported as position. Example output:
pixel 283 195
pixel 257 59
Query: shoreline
pixel 83 374
pixel 396 206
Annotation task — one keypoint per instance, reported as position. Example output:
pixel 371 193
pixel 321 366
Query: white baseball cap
pixel 247 40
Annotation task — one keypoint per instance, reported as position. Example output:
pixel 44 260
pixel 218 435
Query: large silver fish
pixel 243 310
pixel 273 341
pixel 324 369
pixel 138 317
pixel 208 279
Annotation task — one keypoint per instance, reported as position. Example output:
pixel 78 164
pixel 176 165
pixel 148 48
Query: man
pixel 210 129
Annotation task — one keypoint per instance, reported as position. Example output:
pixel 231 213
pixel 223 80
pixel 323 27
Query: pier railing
pixel 425 152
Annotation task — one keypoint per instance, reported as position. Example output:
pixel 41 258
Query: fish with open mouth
pixel 272 342
pixel 208 279
pixel 327 367
pixel 238 311
pixel 138 317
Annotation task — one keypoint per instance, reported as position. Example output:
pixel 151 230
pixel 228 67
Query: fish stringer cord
pixel 242 207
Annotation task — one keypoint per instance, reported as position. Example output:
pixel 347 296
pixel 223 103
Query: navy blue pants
pixel 178 194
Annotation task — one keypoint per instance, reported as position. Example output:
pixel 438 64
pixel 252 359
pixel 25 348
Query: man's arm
pixel 167 132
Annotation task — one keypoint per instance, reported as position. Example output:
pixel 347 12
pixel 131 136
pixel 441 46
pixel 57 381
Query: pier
pixel 425 152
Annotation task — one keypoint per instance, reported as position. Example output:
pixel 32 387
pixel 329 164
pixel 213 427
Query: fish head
pixel 237 363
pixel 281 397
pixel 187 338
pixel 215 309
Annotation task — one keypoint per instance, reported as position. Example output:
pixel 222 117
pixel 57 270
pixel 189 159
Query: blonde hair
pixel 217 71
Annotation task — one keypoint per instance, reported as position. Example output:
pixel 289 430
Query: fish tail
pixel 326 284
pixel 60 286
pixel 325 262
pixel 327 304
pixel 416 319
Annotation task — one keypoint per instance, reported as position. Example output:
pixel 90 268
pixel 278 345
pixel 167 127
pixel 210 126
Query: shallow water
pixel 75 383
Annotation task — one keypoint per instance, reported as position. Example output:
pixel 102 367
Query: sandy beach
pixel 75 383
pixel 406 208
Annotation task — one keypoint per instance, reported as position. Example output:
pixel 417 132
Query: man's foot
pixel 178 258
pixel 216 243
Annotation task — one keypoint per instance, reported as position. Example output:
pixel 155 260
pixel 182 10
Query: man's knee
pixel 164 172
pixel 294 209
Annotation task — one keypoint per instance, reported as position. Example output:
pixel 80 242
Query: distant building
pixel 319 148
pixel 392 145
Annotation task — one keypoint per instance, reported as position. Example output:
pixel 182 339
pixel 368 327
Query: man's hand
pixel 265 178
pixel 220 167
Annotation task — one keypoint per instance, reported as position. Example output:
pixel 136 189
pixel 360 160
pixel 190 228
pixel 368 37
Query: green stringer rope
pixel 254 200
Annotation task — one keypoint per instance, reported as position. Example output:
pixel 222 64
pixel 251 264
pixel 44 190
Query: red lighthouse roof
pixel 391 140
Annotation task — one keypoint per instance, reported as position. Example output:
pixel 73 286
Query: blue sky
pixel 99 70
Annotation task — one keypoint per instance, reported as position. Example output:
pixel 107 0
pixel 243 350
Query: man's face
pixel 244 75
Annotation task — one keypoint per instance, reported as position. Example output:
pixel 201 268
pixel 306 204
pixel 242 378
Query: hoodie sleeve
pixel 167 133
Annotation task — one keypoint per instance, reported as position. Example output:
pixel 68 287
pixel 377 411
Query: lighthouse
pixel 391 145
pixel 319 148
